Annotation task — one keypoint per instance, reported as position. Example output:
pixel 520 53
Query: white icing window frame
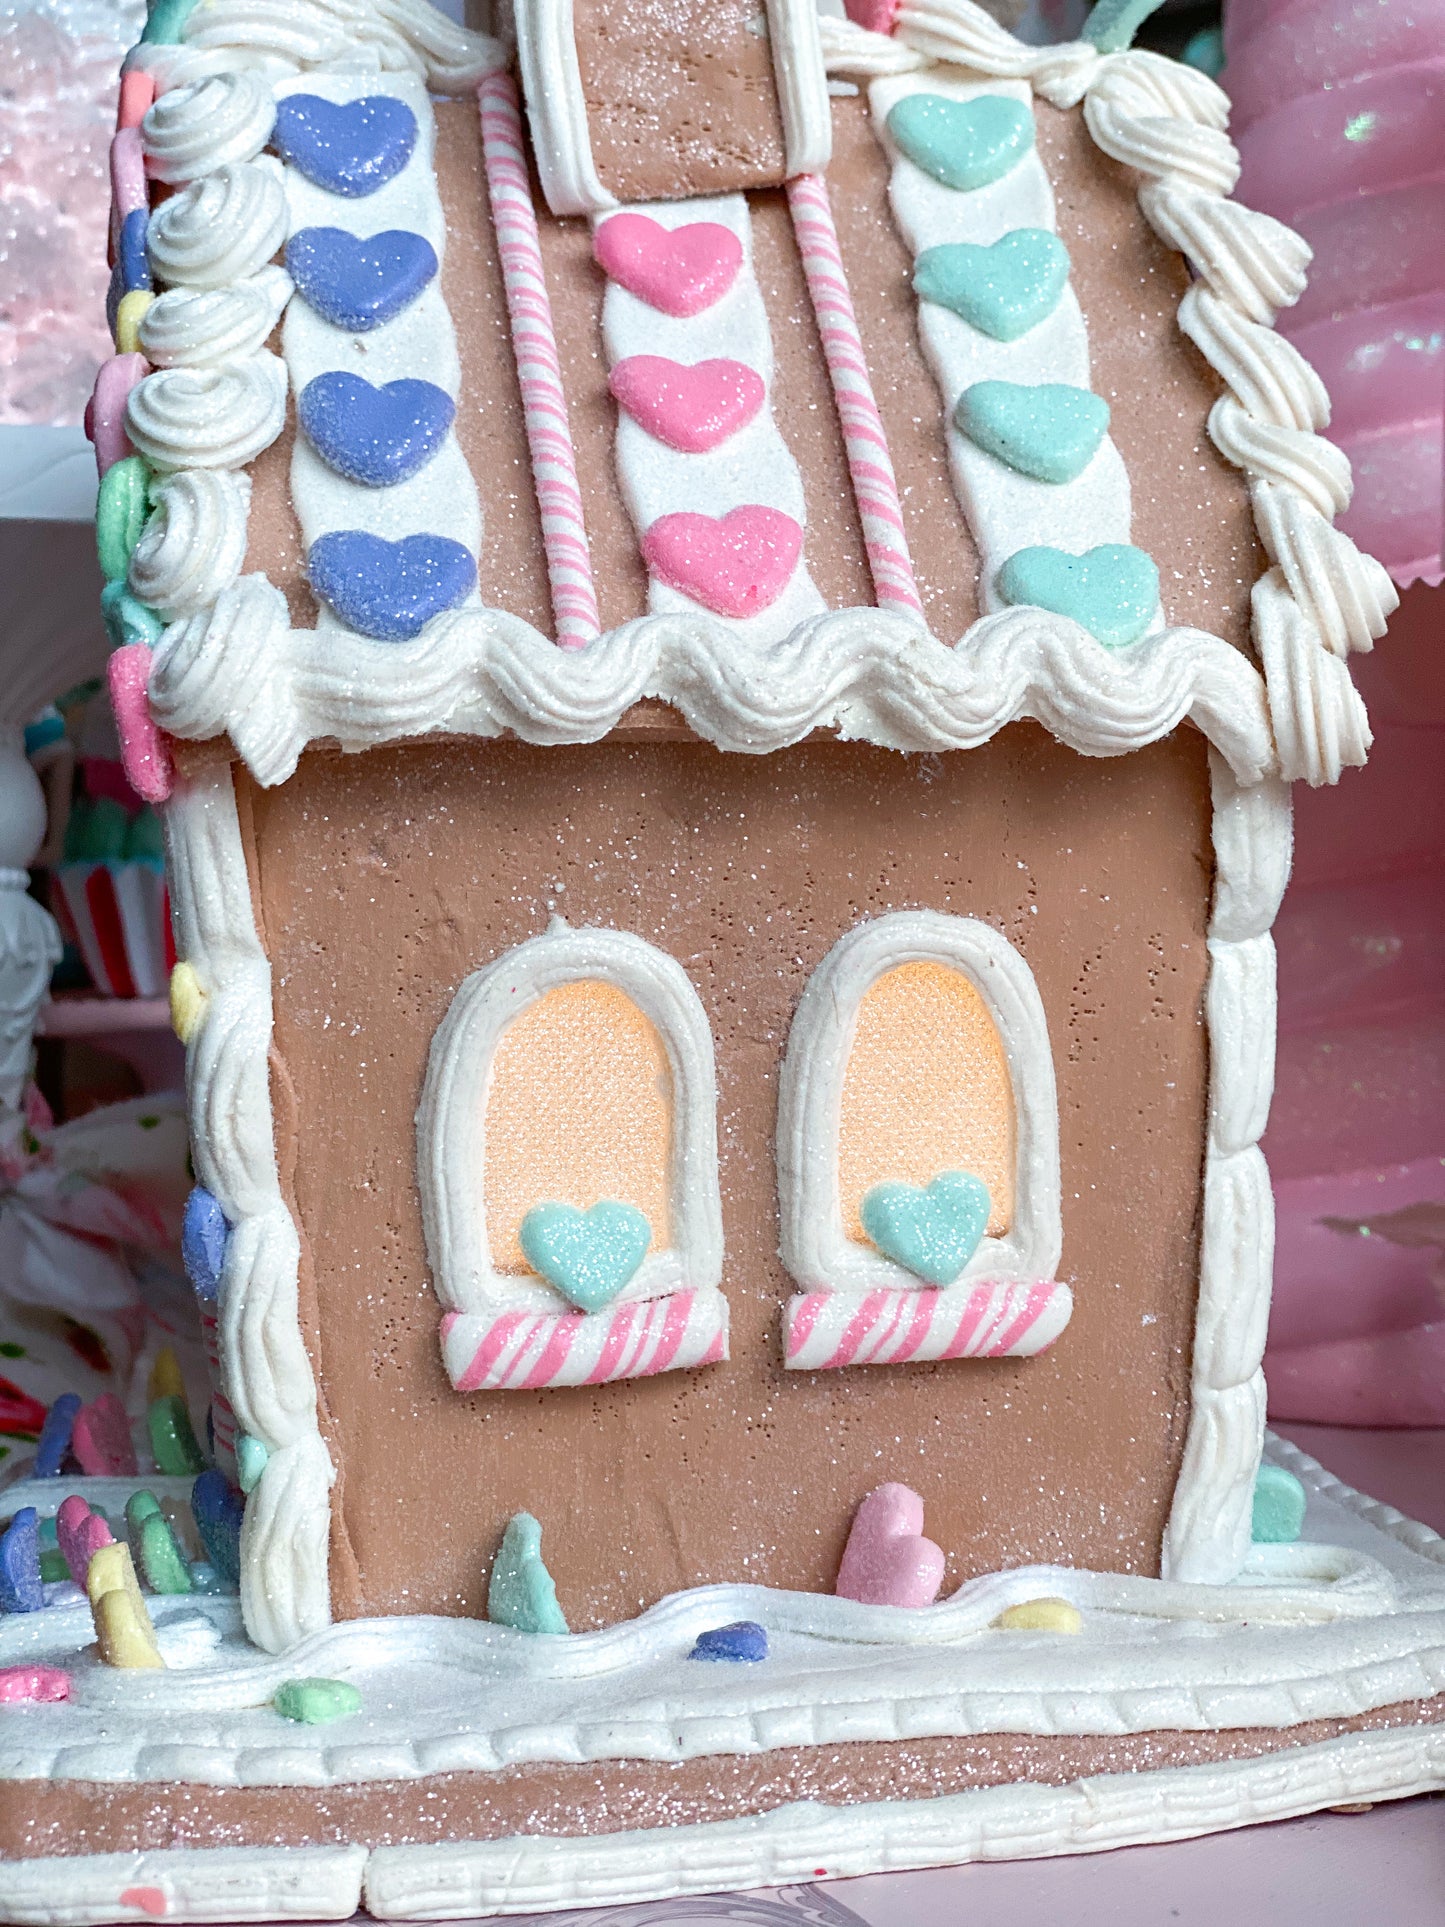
pixel 451 1122
pixel 854 1306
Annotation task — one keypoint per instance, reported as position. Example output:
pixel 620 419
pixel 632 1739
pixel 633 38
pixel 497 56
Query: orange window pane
pixel 578 1107
pixel 926 1090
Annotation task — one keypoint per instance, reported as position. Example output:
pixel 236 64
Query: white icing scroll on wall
pixel 585 1243
pixel 711 486
pixel 918 1152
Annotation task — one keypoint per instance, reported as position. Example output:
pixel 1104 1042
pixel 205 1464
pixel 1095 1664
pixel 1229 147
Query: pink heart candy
pixel 736 564
pixel 876 16
pixel 679 270
pixel 101 1439
pixel 128 190
pixel 105 411
pixel 690 408
pixel 33 1683
pixel 137 91
pixel 887 1561
pixel 143 748
pixel 80 1533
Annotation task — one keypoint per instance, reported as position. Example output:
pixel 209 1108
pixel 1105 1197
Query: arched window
pixel 918 1151
pixel 567 1159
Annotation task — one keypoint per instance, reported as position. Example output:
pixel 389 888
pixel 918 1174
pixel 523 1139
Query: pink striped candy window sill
pixel 528 1350
pixel 978 1318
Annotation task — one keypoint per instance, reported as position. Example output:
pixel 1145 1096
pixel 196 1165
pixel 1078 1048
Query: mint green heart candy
pixel 121 508
pixel 1112 591
pixel 316 1702
pixel 588 1255
pixel 963 143
pixel 1045 429
pixel 520 1592
pixel 931 1232
pixel 1003 290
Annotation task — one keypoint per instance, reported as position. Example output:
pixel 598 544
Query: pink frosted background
pixel 58 66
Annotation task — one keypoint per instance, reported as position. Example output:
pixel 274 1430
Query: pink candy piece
pixel 80 1533
pixel 736 564
pixel 887 1561
pixel 691 409
pixel 143 748
pixel 128 173
pixel 33 1683
pixel 105 412
pixel 874 16
pixel 679 271
pixel 137 91
pixel 101 1441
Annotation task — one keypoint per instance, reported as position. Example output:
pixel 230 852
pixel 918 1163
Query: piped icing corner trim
pixel 871 676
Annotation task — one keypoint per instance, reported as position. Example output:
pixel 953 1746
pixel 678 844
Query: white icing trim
pixel 195 1883
pixel 867 674
pixel 754 466
pixel 441 498
pixel 803 101
pixel 811 1240
pixel 266 1371
pixel 451 1136
pixel 1006 510
pixel 557 107
pixel 1208 1535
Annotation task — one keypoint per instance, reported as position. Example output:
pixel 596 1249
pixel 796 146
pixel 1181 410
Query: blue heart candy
pixel 933 1231
pixel 963 143
pixel 1113 590
pixel 349 147
pixel 359 285
pixel 744 1641
pixel 55 1436
pixel 218 1509
pixel 20 1584
pixel 588 1255
pixel 389 590
pixel 1044 429
pixel 377 436
pixel 204 1233
pixel 1002 290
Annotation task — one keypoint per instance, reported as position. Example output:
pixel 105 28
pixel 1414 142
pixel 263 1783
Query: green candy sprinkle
pixel 316 1702
pixel 121 509
pixel 126 619
pixel 173 1443
pixel 251 1457
pixel 153 1545
pixel 166 22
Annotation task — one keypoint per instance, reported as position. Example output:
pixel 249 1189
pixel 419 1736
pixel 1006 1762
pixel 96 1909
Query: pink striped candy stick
pixel 534 342
pixel 875 487
pixel 827 1330
pixel 526 1350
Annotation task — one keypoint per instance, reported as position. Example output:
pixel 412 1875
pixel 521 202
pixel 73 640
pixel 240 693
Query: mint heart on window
pixel 932 1231
pixel 588 1255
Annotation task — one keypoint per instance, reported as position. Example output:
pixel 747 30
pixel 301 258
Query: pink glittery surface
pixel 59 67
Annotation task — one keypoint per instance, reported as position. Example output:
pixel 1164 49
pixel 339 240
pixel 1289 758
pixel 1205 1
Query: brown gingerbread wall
pixel 382 880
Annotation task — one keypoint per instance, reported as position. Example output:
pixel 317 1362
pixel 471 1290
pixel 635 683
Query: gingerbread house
pixel 722 605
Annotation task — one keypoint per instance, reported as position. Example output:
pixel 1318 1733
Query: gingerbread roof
pixel 848 382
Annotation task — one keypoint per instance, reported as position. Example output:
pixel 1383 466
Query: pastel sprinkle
pixel 736 564
pixel 137 93
pixel 127 619
pixel 55 1435
pixel 359 284
pixel 389 590
pixel 1112 591
pixel 218 1510
pixel 144 751
pixel 131 256
pixel 589 1256
pixel 20 1584
pixel 679 271
pixel 165 1379
pixel 53 1568
pixel 80 1534
pixel 932 1230
pixel 744 1642
pixel 129 313
pixel 375 436
pixel 154 1547
pixel 105 412
pixel 146 1900
pixel 1041 1616
pixel 204 1230
pixel 251 1459
pixel 1004 289
pixel 887 1561
pixel 101 1439
pixel 1049 430
pixel 41 1683
pixel 122 1625
pixel 121 508
pixel 316 1702
pixel 173 1441
pixel 188 1007
pixel 128 189
pixel 521 1592
pixel 1279 1507
pixel 1112 24
pixel 166 21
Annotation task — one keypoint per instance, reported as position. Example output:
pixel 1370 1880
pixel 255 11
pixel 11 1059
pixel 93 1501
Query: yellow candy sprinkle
pixel 1041 1616
pixel 165 1379
pixel 128 319
pixel 188 1002
pixel 122 1625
